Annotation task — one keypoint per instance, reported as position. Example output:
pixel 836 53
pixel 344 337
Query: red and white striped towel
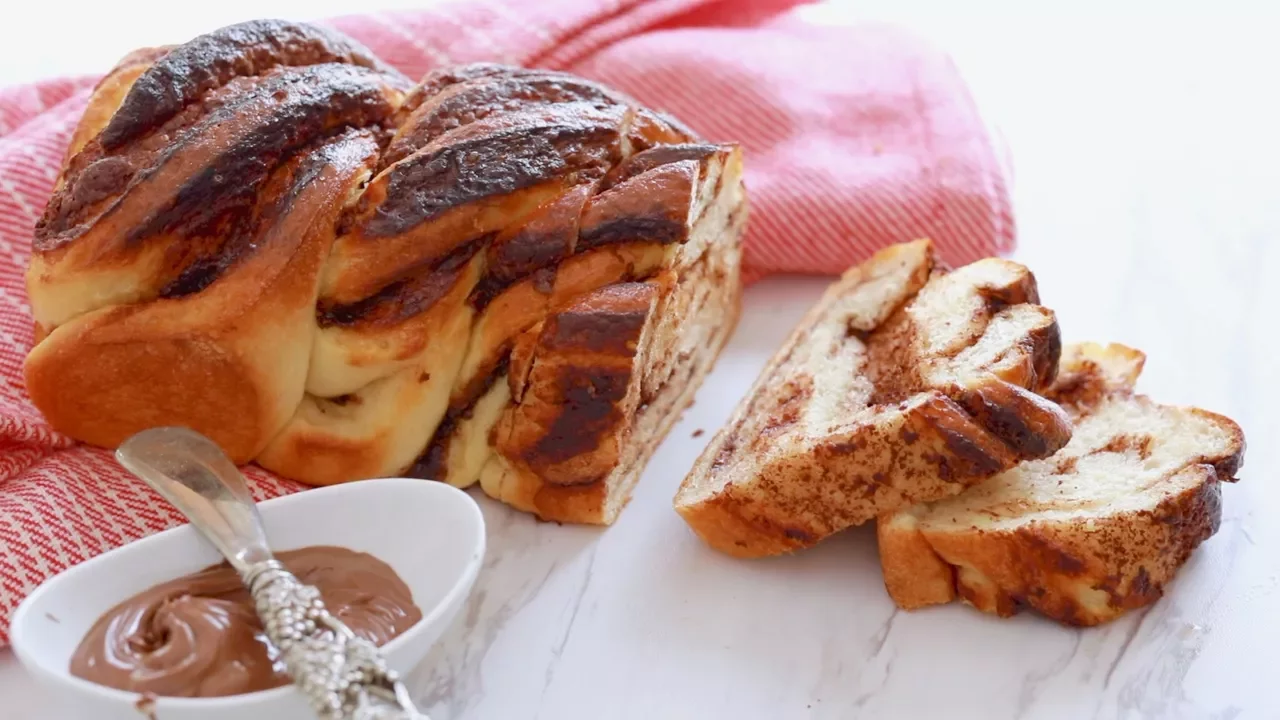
pixel 855 137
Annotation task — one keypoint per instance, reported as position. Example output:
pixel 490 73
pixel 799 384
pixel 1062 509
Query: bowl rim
pixel 461 585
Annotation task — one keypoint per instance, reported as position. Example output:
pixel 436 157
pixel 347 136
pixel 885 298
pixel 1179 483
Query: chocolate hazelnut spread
pixel 198 636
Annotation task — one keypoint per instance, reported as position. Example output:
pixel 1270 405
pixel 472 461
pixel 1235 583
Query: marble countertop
pixel 1147 177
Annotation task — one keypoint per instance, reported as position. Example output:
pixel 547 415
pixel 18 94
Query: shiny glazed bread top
pixel 269 235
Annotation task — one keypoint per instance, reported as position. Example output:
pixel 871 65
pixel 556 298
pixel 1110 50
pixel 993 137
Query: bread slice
pixel 905 383
pixel 664 347
pixel 1089 533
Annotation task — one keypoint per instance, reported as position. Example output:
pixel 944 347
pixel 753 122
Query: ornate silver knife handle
pixel 343 676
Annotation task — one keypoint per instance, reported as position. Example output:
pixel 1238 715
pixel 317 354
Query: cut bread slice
pixel 1087 534
pixel 903 384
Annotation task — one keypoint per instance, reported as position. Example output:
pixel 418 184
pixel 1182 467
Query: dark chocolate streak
pixel 591 394
pixel 656 228
pixel 419 289
pixel 598 330
pixel 1045 362
pixel 498 94
pixel 432 463
pixel 592 398
pixel 647 160
pixel 425 186
pixel 970 460
pixel 295 106
pixel 98 181
pixel 234 240
pixel 93 176
pixel 210 61
pixel 491 286
pixel 342 152
pixel 535 249
pixel 315 100
pixel 1004 415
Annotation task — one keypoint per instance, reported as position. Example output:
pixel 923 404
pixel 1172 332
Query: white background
pixel 1146 143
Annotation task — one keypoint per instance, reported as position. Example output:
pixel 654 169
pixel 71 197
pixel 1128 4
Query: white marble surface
pixel 1148 176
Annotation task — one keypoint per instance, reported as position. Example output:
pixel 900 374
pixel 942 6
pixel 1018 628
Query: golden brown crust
pixel 1090 373
pixel 918 577
pixel 535 248
pixel 1086 576
pixel 1225 465
pixel 929 449
pixel 656 157
pixel 380 428
pixel 574 399
pixel 1088 561
pixel 653 206
pixel 108 94
pixel 188 231
pixel 356 314
pixel 195 360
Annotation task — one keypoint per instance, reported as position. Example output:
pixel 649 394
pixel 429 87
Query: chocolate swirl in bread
pixel 184 75
pixel 276 240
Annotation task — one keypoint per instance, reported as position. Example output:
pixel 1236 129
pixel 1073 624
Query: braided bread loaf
pixel 502 275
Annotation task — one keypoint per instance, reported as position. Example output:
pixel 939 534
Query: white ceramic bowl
pixel 430 533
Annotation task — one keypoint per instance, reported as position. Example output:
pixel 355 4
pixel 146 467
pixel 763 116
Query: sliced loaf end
pixel 1089 533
